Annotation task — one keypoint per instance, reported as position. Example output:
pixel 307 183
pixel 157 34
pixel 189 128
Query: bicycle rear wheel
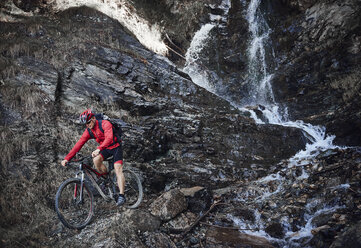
pixel 133 188
pixel 75 210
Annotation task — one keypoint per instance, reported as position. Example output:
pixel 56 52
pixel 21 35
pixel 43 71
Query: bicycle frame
pixel 88 170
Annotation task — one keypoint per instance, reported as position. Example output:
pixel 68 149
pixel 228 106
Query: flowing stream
pixel 261 98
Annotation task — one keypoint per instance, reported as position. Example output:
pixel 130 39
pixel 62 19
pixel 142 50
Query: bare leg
pixel 120 177
pixel 98 162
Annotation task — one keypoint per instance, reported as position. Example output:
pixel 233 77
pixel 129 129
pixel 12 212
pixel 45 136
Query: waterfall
pixel 258 82
pixel 259 85
pixel 261 89
pixel 192 67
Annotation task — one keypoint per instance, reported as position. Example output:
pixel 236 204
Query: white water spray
pixel 148 35
pixel 193 66
pixel 259 80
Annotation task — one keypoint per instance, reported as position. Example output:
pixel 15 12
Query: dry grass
pixel 18 49
pixel 33 105
pixel 69 40
pixel 8 71
pixel 13 144
pixel 24 215
pixel 12 207
pixel 29 100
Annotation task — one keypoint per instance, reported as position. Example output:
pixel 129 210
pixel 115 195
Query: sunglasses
pixel 88 122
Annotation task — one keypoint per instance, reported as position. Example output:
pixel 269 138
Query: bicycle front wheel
pixel 74 205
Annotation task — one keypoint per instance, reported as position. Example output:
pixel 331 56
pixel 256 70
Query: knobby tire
pixel 133 188
pixel 73 213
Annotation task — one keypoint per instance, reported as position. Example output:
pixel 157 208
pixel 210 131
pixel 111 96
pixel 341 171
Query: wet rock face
pixel 318 66
pixel 299 4
pixel 316 47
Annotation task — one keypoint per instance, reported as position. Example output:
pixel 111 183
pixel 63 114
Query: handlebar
pixel 80 158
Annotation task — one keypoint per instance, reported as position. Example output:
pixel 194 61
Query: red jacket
pixel 104 139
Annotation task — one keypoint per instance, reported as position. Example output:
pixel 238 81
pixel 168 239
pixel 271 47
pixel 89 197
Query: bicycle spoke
pixel 74 206
pixel 133 188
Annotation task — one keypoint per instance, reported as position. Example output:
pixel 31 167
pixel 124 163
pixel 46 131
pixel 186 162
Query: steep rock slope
pixel 176 133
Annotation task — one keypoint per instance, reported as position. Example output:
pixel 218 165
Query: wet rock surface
pixel 183 141
pixel 233 238
pixel 321 44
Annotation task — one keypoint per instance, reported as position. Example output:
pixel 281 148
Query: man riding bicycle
pixel 109 146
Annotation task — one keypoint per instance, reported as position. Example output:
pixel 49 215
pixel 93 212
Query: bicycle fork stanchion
pixel 81 186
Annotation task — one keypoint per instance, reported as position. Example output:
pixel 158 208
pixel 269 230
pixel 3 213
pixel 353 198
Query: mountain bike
pixel 74 200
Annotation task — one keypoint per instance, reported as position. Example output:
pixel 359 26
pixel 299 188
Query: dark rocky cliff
pixel 321 44
pixel 317 56
pixel 177 135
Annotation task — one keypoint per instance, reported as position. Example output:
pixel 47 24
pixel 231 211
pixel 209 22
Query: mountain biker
pixel 109 146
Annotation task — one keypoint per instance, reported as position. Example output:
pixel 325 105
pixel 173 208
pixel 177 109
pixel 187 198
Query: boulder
pixel 350 237
pixel 199 198
pixel 169 205
pixel 276 230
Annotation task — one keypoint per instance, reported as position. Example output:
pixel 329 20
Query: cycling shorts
pixel 116 152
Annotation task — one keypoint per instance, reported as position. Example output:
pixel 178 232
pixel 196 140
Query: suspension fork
pixel 81 173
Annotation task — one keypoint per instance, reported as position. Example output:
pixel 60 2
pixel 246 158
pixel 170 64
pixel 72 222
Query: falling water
pixel 261 97
pixel 259 79
pixel 261 89
pixel 192 66
pixel 261 94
